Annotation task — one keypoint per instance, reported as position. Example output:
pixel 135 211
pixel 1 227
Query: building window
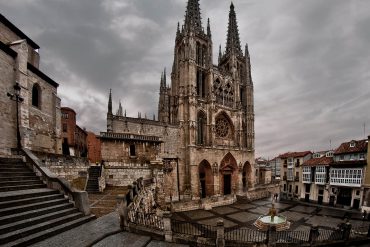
pixel 361 156
pixel 346 176
pixel 296 189
pixel 290 174
pixel 223 128
pixel 36 95
pixel 64 127
pixel 132 150
pixel 329 154
pixel 316 155
pixel 341 158
pixel 306 174
pixel 65 115
pixel 352 144
pixel 201 125
pixel 320 175
pixel 290 162
pixel 284 187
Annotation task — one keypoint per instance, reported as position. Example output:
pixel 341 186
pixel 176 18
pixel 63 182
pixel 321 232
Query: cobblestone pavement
pixel 301 215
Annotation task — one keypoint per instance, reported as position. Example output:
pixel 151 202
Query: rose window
pixel 222 127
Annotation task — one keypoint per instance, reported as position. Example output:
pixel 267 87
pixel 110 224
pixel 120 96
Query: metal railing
pixel 244 235
pixel 193 229
pixel 148 220
pixel 292 237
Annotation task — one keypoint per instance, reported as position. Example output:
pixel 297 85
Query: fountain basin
pixel 265 221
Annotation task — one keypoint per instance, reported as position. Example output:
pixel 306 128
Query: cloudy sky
pixel 310 60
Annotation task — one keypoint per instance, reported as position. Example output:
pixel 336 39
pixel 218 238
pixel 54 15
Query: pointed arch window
pixel 201 131
pixel 36 95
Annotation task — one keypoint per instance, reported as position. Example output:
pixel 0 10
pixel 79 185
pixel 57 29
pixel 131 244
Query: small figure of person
pixel 276 197
pixel 364 214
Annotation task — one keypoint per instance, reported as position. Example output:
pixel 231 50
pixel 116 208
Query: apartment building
pixel 291 184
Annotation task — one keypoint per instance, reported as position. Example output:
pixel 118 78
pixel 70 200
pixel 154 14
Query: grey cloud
pixel 310 60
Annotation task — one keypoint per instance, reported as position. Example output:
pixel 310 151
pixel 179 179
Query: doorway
pixel 227 184
pixel 344 196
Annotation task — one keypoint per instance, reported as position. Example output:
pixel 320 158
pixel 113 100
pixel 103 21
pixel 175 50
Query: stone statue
pixel 272 212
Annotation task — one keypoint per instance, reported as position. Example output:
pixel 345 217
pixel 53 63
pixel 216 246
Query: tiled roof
pixel 350 163
pixel 294 154
pixel 360 146
pixel 323 161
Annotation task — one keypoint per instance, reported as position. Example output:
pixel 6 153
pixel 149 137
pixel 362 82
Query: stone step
pixel 34 238
pixel 34 213
pixel 5 160
pixel 22 187
pixel 15 169
pixel 31 200
pixel 13 226
pixel 20 178
pixel 12 174
pixel 33 206
pixel 19 183
pixel 32 229
pixel 23 165
pixel 22 194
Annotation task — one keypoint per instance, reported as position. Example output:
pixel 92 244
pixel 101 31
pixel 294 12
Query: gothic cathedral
pixel 205 126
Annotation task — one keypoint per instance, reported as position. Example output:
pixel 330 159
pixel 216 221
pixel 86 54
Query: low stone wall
pixel 263 192
pixel 119 174
pixel 205 203
pixel 69 167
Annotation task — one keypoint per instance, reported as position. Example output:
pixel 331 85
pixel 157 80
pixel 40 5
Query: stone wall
pixel 123 174
pixel 7 106
pixel 68 167
pixel 42 119
pixel 169 134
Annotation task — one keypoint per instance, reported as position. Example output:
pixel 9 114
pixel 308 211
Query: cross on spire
pixel 233 40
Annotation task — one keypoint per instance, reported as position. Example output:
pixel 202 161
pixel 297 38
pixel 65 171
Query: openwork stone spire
pixel 120 111
pixel 233 40
pixel 110 102
pixel 192 16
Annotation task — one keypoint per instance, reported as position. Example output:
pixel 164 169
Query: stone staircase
pixel 30 212
pixel 92 185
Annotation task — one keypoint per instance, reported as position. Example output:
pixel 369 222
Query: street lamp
pixel 18 99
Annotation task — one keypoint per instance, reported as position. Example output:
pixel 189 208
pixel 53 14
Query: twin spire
pixel 192 16
pixel 193 20
pixel 233 40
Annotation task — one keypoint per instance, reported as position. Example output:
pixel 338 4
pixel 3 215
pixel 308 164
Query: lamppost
pixel 18 99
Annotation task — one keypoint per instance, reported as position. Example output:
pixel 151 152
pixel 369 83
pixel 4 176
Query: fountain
pixel 272 219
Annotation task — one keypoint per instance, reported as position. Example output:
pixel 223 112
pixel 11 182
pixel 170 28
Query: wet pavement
pixel 301 215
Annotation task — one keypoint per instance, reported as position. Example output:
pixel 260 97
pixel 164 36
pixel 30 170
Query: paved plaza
pixel 105 231
pixel 301 215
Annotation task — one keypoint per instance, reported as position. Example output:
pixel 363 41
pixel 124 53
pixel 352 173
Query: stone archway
pixel 206 185
pixel 229 174
pixel 247 176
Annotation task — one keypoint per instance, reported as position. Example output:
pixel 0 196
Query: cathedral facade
pixel 205 126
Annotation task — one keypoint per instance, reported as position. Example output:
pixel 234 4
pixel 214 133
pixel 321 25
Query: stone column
pixel 314 233
pixel 167 226
pixel 347 230
pixel 122 211
pixel 271 236
pixel 220 241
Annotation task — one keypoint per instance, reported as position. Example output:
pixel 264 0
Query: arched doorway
pixel 246 176
pixel 229 172
pixel 205 179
